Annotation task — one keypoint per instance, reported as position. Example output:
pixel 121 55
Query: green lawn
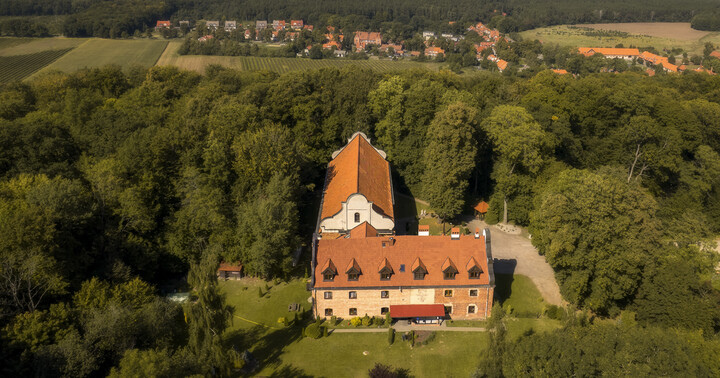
pixel 97 52
pixel 282 352
pixel 407 206
pixel 518 293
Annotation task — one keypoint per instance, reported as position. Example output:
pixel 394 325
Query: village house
pixel 248 34
pixel 612 53
pixel 184 23
pixel 205 38
pixel 162 25
pixel 428 34
pixel 397 49
pixel 308 28
pixel 340 53
pixel 279 24
pixel 362 39
pixel 296 24
pixel 214 25
pixel 230 25
pixel 501 65
pixel 260 25
pixel 657 60
pixel 331 44
pixel 433 51
pixel 362 270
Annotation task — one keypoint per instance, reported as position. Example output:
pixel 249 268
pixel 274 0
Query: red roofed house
pixel 434 51
pixel 501 65
pixel 363 39
pixel 331 44
pixel 162 24
pixel 296 24
pixel 560 71
pixel 358 268
pixel 229 271
pixel 715 53
pixel 612 53
pixel 358 188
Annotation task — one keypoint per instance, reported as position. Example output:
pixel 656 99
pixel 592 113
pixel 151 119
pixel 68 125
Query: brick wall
pixel 370 302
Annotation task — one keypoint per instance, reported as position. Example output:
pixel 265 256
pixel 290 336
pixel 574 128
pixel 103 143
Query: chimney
pixel 455 233
pixel 389 242
pixel 477 233
pixel 423 230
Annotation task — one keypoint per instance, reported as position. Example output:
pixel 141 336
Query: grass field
pixel 666 36
pixel 518 293
pixel 18 67
pixel 281 65
pixel 281 351
pixel 101 52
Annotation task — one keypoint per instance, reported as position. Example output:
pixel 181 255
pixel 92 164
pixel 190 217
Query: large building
pixel 359 269
pixel 358 188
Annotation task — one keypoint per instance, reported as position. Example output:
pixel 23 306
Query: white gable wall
pixel 344 220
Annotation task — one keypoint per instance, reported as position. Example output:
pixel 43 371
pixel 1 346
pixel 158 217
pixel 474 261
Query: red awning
pixel 417 311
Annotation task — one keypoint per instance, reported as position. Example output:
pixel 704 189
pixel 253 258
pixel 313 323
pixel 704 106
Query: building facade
pixel 361 269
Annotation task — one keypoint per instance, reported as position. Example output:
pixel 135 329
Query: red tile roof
pixel 482 207
pixel 560 71
pixel 363 230
pixel 417 311
pixel 424 227
pixel 408 252
pixel 502 64
pixel 358 168
pixel 715 54
pixel 225 267
pixel 587 51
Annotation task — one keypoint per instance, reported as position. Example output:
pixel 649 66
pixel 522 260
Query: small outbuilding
pixel 230 271
pixel 481 209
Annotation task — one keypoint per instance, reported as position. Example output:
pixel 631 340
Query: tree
pixel 207 317
pixel 449 159
pixel 597 232
pixel 521 145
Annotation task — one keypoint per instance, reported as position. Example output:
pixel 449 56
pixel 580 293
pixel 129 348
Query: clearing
pixel 281 351
pixel 97 52
pixel 662 36
pixel 198 63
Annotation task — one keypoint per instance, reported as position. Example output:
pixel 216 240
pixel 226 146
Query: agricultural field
pixel 97 52
pixel 24 46
pixel 18 67
pixel 281 65
pixel 662 36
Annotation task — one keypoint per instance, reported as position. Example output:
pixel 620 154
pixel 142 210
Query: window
pixel 448 310
pixel 357 217
pixel 353 311
pixel 419 275
pixel 448 293
pixel 328 312
pixel 471 309
pixel 352 294
pixel 385 294
pixel 473 292
pixel 449 275
pixel 328 277
pixel 328 295
pixel 385 276
pixel 384 310
pixel 353 276
pixel 475 274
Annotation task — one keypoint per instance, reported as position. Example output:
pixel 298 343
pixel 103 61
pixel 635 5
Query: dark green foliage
pixel 597 232
pixel 555 312
pixel 314 330
pixel 391 335
pixel 623 350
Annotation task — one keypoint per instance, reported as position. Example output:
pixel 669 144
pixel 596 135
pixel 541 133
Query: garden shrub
pixel 355 322
pixel 391 336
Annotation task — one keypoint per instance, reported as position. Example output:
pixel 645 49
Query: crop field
pixel 24 46
pixel 281 65
pixel 665 36
pixel 18 67
pixel 101 52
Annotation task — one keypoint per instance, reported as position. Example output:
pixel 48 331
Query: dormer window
pixel 473 269
pixel 357 217
pixel 385 270
pixel 419 270
pixel 329 271
pixel 449 270
pixel 353 270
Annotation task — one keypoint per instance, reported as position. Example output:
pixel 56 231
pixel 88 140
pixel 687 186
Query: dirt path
pixel 515 254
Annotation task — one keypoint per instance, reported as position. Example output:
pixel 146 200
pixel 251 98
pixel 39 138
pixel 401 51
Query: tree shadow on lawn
pixel 503 287
pixel 267 345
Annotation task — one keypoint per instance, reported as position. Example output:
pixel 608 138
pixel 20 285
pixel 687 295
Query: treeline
pixel 708 20
pixel 23 28
pixel 103 18
pixel 114 182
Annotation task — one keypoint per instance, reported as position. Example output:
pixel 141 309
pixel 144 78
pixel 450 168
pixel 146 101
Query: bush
pixel 555 312
pixel 333 320
pixel 325 331
pixel 313 331
pixel 355 322
pixel 391 336
pixel 260 293
pixel 378 321
pixel 366 321
pixel 388 319
pixel 283 321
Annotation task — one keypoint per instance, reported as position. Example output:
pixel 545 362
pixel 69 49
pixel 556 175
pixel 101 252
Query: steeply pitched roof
pixel 407 253
pixel 363 230
pixel 358 168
